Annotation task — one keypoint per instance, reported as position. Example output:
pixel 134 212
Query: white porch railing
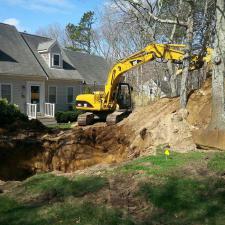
pixel 32 111
pixel 49 110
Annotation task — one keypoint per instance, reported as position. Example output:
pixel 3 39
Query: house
pixel 40 76
pixel 155 89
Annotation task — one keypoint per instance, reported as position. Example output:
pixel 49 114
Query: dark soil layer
pixel 30 152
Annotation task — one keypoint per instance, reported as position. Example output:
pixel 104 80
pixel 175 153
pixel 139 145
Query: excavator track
pixel 117 116
pixel 85 119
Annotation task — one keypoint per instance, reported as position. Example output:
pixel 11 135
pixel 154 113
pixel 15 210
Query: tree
pixel 179 16
pixel 188 53
pixel 80 35
pixel 54 31
pixel 218 119
pixel 214 135
pixel 117 35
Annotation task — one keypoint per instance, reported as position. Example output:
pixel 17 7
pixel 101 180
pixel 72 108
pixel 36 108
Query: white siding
pixel 18 90
pixel 62 86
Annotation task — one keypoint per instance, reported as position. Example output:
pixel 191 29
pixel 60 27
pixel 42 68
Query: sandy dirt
pixel 163 123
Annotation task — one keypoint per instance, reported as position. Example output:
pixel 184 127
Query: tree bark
pixel 218 119
pixel 172 80
pixel 187 58
pixel 171 70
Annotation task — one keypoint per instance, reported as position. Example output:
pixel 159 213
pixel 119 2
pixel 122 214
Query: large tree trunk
pixel 171 70
pixel 214 136
pixel 173 76
pixel 217 120
pixel 187 58
pixel 170 66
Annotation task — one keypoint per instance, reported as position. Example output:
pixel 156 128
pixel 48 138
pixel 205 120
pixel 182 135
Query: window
pixel 56 60
pixel 70 97
pixel 52 94
pixel 6 92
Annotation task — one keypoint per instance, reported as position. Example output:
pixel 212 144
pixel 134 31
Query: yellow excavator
pixel 114 103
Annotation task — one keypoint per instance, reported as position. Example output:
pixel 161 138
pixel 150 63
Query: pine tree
pixel 81 35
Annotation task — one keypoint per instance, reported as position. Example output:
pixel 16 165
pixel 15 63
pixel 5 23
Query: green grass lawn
pixel 175 196
pixel 62 186
pixel 51 205
pixel 11 212
pixel 217 163
pixel 180 198
pixel 160 164
pixel 186 201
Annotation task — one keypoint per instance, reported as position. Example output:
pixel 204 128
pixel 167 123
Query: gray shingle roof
pixel 15 56
pixel 69 72
pixel 19 56
pixel 92 68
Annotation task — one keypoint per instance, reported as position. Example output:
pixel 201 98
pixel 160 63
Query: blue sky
pixel 29 15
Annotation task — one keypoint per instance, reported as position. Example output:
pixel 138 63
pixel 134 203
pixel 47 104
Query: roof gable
pixel 68 72
pixel 46 46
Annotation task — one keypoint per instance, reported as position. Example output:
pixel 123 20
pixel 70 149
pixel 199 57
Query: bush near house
pixel 9 113
pixel 67 116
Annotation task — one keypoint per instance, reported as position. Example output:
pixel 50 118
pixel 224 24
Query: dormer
pixel 51 53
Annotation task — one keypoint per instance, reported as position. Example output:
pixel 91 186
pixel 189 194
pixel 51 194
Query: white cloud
pixel 46 6
pixel 14 22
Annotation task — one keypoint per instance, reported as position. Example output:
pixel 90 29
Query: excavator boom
pixel 106 102
pixel 149 53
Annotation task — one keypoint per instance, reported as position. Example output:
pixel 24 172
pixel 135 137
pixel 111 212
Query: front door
pixel 35 96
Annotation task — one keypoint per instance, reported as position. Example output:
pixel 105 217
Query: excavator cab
pixel 123 97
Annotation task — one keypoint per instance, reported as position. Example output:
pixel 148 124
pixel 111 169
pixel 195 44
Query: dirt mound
pixel 164 123
pixel 199 106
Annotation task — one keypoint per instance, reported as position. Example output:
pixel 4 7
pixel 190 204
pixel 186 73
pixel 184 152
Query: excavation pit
pixel 65 151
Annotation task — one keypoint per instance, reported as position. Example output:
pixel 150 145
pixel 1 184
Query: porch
pixel 47 116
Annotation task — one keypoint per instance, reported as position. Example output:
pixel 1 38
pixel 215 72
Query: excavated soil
pixel 66 151
pixel 24 151
pixel 163 123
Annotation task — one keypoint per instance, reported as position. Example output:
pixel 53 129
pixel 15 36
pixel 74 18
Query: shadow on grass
pixel 217 163
pixel 62 186
pixel 12 213
pixel 186 201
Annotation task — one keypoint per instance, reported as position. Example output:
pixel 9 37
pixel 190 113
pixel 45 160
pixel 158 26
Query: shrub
pixel 9 113
pixel 67 116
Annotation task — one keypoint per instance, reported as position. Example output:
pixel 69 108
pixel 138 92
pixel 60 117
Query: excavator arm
pixel 151 52
pixel 102 103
